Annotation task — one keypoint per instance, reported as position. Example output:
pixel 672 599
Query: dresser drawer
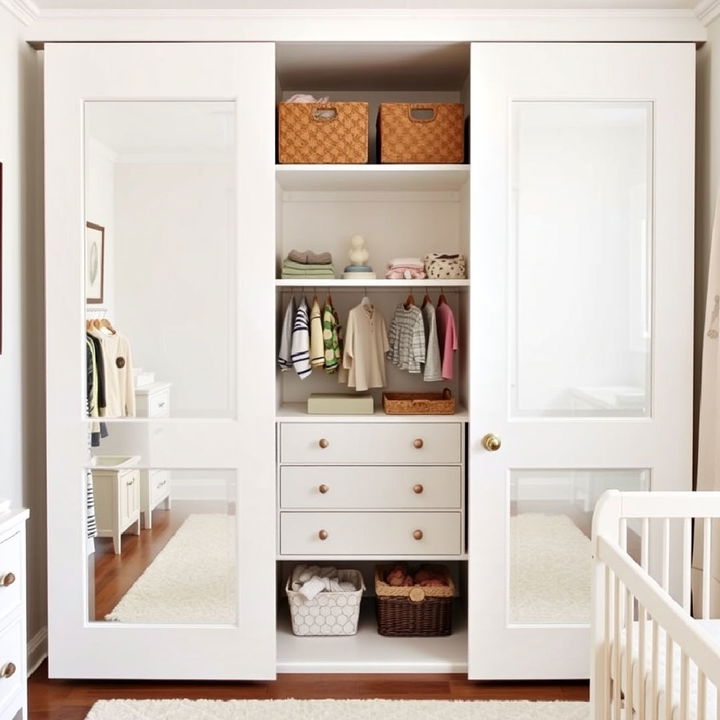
pixel 11 574
pixel 371 533
pixel 12 648
pixel 158 486
pixel 365 487
pixel 154 404
pixel 351 443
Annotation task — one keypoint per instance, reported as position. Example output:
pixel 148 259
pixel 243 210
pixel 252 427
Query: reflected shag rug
pixel 550 568
pixel 337 710
pixel 191 580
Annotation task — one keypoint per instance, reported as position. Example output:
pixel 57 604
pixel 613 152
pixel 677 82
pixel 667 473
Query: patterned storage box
pixel 328 613
pixel 421 133
pixel 315 133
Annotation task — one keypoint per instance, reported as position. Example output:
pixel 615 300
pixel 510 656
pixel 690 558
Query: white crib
pixel 649 654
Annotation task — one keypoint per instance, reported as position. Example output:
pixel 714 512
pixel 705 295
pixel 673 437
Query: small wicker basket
pixel 315 133
pixel 413 611
pixel 417 403
pixel 421 133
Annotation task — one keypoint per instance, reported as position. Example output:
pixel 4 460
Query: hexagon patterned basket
pixel 328 613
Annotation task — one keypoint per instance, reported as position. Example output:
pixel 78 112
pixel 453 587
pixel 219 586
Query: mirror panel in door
pixel 549 531
pixel 161 249
pixel 581 179
pixel 162 544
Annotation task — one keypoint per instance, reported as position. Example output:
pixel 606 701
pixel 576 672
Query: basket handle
pixel 447 393
pixel 422 405
pixel 418 113
pixel 324 113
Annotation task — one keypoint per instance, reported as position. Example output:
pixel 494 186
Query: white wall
pixel 22 383
pixel 707 178
pixel 174 280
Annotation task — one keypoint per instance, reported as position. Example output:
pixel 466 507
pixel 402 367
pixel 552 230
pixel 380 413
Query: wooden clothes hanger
pixel 426 299
pixel 409 301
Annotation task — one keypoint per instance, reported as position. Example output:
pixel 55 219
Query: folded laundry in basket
pixel 309 580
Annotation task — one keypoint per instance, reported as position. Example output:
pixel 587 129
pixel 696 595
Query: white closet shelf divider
pixel 338 178
pixel 377 283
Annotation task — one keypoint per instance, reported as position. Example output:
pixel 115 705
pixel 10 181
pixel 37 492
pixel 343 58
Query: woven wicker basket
pixel 417 403
pixel 332 133
pixel 421 132
pixel 413 611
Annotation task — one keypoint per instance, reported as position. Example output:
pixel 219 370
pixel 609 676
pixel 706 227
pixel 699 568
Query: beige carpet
pixel 336 710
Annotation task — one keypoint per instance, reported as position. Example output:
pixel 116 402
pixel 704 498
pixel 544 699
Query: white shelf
pixel 378 283
pixel 369 652
pixel 392 178
pixel 297 412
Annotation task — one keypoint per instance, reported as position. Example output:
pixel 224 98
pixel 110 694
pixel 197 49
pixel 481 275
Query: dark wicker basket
pixel 413 611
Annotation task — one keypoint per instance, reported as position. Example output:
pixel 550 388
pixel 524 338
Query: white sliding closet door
pixel 581 306
pixel 168 151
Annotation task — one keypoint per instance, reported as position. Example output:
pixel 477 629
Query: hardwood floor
pixel 72 699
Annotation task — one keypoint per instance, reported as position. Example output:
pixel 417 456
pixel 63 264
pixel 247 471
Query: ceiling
pixel 358 4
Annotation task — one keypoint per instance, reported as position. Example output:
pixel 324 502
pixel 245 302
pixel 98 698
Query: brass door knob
pixel 8 579
pixel 417 489
pixel 323 488
pixel 8 670
pixel 323 534
pixel 491 442
pixel 418 534
pixel 418 443
pixel 323 443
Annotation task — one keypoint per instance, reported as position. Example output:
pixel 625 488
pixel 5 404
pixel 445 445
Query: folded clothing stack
pixel 409 268
pixel 308 264
pixel 309 580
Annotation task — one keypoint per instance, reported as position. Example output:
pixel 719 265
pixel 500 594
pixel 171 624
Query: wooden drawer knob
pixel 418 443
pixel 323 489
pixel 8 579
pixel 323 443
pixel 417 489
pixel 418 534
pixel 8 670
pixel 323 534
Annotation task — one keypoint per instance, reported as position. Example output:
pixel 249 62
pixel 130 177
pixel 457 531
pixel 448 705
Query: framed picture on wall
pixel 94 262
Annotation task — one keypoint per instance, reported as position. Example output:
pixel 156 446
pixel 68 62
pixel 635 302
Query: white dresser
pixel 13 634
pixel 371 489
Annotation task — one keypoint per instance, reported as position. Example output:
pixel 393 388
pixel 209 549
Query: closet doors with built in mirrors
pixel 581 307
pixel 159 216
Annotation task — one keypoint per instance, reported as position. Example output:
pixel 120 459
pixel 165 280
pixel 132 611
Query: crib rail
pixel 650 658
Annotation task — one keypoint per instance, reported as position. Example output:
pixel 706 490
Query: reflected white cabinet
pixel 117 503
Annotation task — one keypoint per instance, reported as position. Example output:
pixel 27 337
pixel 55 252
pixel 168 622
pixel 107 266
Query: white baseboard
pixel 37 650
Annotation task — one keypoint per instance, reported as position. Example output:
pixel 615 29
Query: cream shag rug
pixel 337 710
pixel 191 580
pixel 550 567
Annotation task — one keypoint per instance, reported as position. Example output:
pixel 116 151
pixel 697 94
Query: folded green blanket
pixel 302 266
pixel 290 274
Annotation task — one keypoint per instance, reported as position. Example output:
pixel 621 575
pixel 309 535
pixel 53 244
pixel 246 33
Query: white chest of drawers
pixel 13 644
pixel 378 489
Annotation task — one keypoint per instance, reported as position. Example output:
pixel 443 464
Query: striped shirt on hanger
pixel 300 347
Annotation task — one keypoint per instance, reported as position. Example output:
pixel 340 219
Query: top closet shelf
pixel 372 177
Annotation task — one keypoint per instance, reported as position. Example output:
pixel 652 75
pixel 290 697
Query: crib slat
pixel 607 659
pixel 687 562
pixel 707 544
pixel 700 713
pixel 665 577
pixel 642 620
pixel 684 686
pixel 655 669
pixel 669 667
pixel 644 550
pixel 617 666
pixel 629 654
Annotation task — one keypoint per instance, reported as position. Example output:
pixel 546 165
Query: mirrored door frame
pixel 241 73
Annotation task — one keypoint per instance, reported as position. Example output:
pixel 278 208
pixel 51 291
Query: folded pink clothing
pixel 398 273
